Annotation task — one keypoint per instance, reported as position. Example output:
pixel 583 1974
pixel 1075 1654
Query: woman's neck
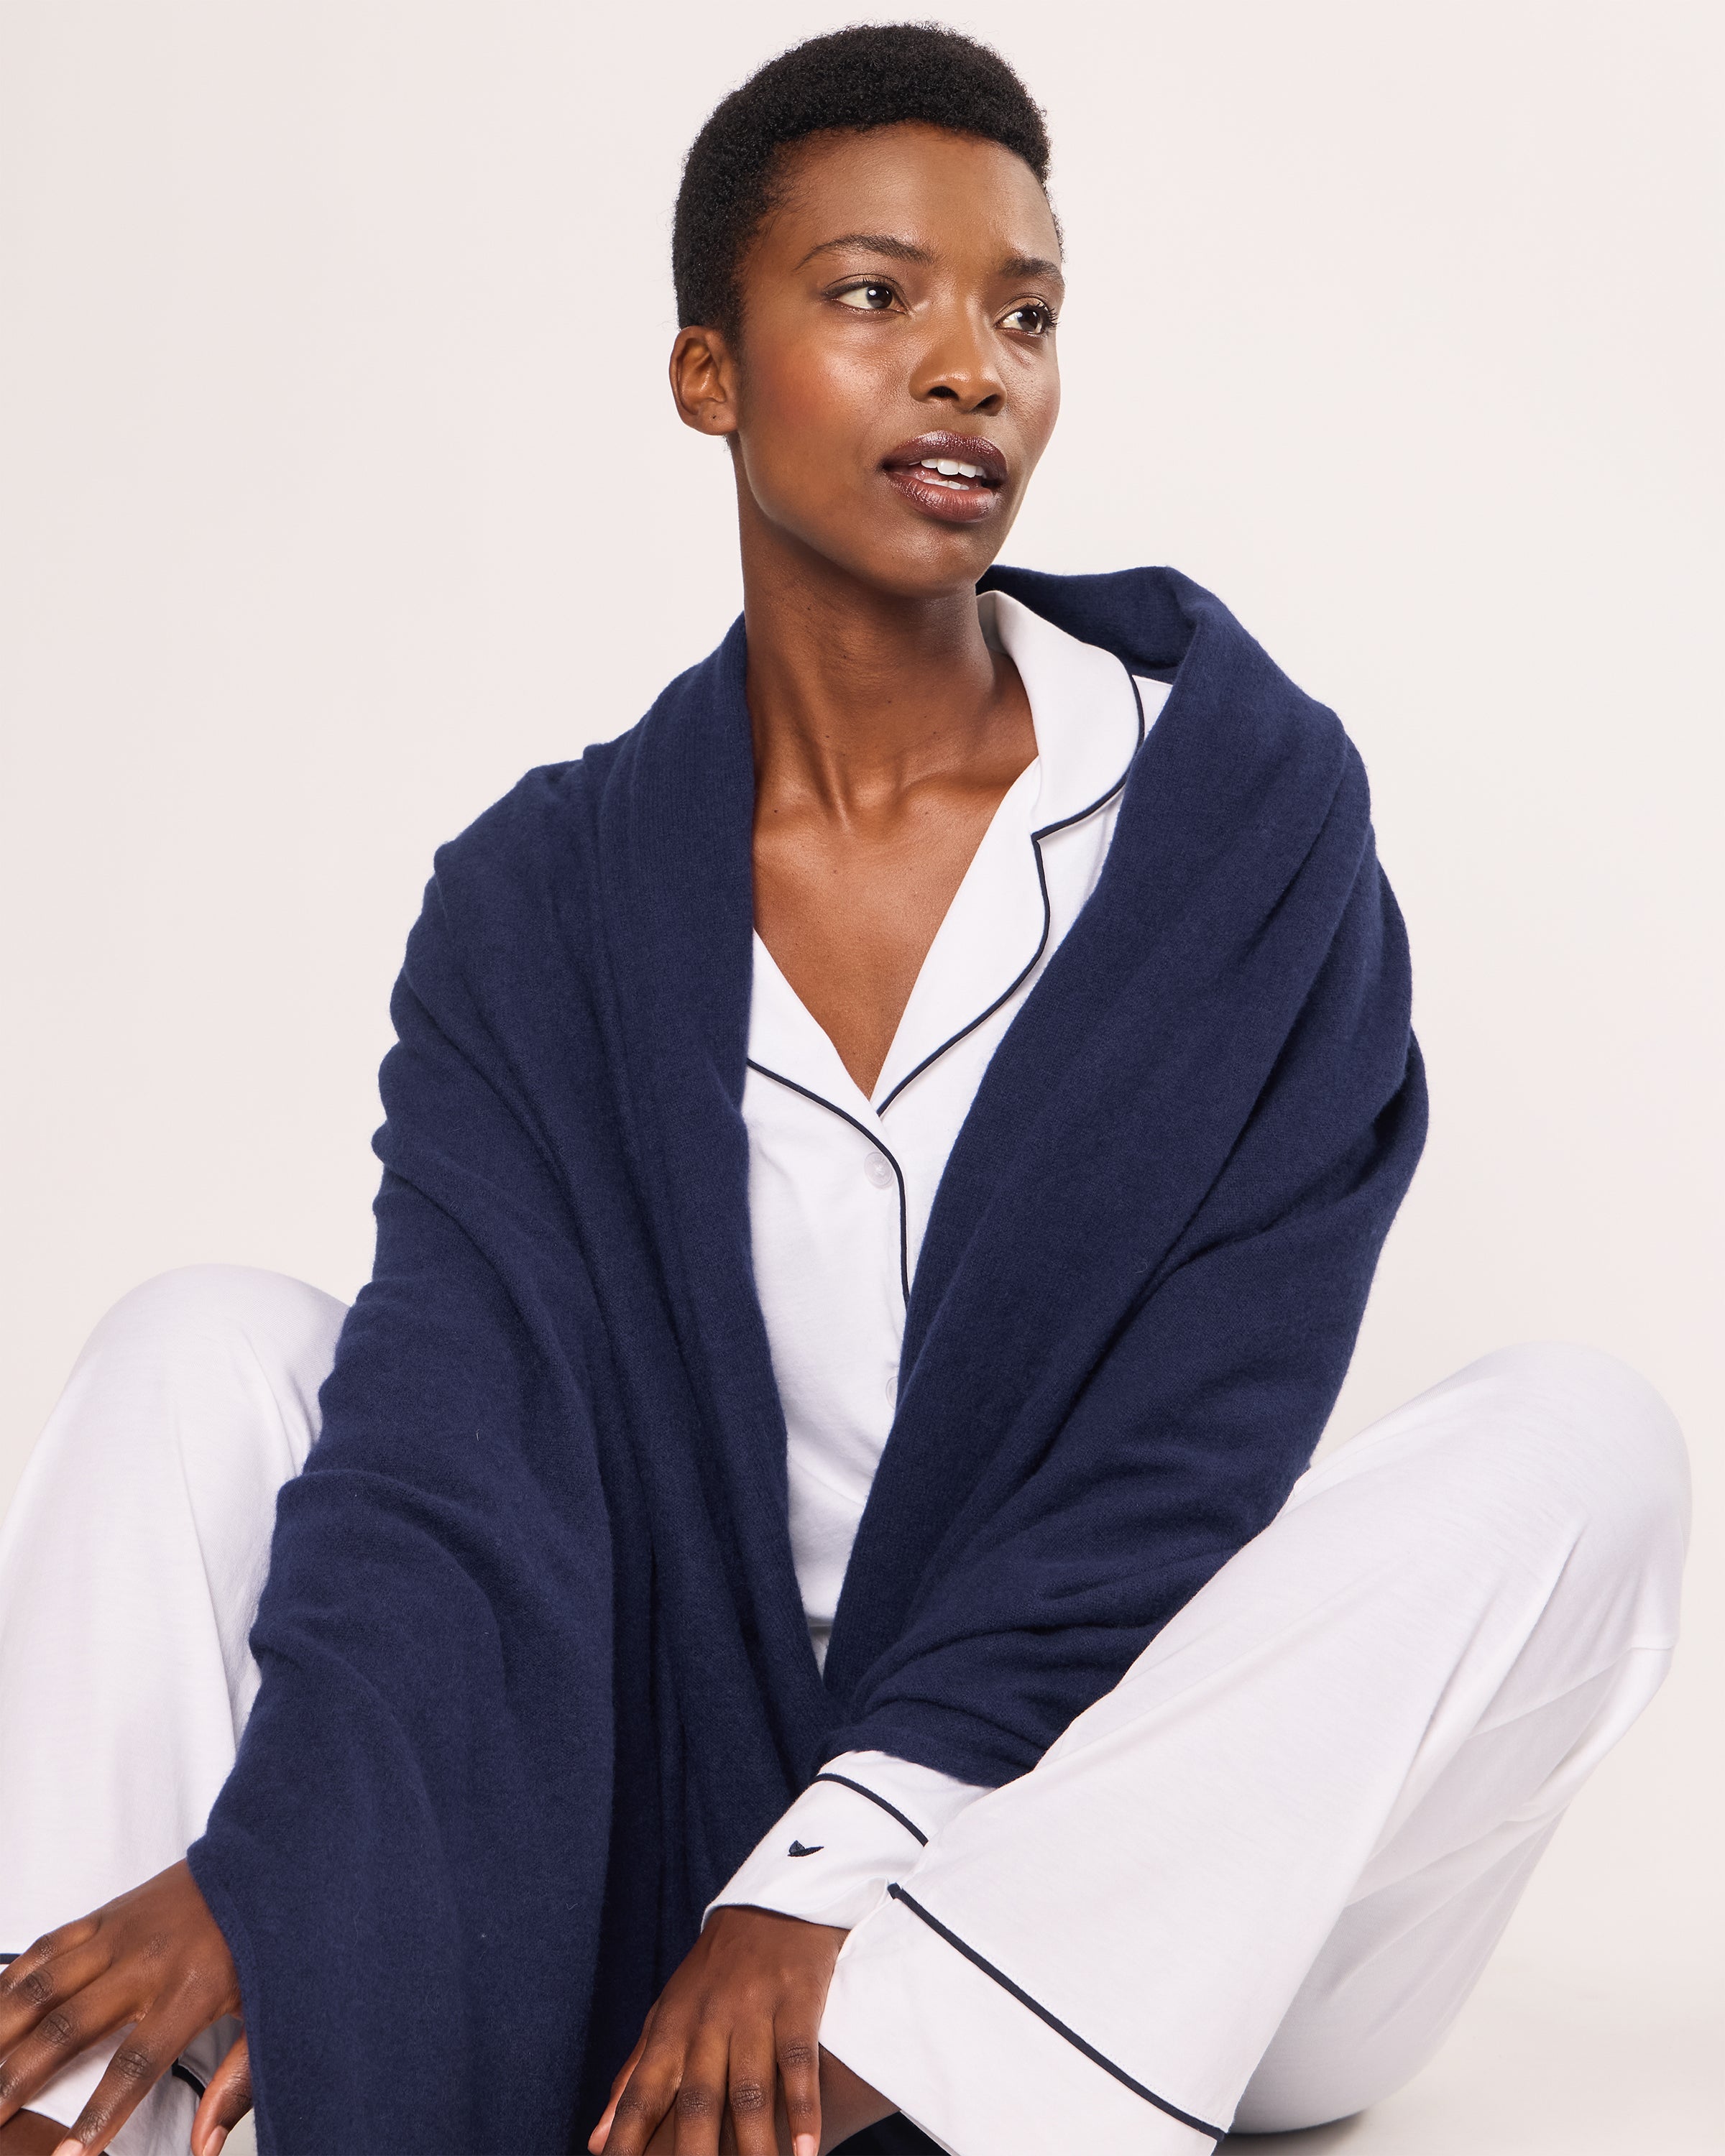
pixel 885 733
pixel 857 696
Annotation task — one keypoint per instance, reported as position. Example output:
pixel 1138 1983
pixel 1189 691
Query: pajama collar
pixel 1089 720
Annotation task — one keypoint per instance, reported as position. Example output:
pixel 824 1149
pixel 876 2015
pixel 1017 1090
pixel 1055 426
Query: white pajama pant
pixel 1252 1886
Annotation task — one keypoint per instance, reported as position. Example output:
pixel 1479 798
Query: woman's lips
pixel 956 479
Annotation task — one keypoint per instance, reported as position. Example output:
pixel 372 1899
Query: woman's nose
pixel 959 367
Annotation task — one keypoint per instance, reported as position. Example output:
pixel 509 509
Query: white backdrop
pixel 339 483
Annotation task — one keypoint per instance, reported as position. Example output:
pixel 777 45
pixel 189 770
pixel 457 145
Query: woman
pixel 804 1615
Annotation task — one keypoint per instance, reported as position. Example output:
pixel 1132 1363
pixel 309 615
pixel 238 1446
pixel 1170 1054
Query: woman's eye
pixel 1035 318
pixel 867 299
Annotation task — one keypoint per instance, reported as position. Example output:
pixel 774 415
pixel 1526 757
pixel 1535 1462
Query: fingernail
pixel 805 2144
pixel 213 2147
pixel 70 2148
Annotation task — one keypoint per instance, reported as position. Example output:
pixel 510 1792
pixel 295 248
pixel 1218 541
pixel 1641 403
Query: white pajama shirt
pixel 1252 1884
pixel 841 1185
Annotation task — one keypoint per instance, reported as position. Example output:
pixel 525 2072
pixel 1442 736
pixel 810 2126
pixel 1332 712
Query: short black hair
pixel 870 75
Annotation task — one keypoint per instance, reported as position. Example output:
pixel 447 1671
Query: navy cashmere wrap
pixel 535 1674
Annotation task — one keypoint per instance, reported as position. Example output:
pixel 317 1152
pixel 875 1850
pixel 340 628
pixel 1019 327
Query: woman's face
pixel 898 314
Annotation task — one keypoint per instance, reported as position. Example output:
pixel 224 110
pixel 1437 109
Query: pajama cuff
pixel 971 2058
pixel 864 1819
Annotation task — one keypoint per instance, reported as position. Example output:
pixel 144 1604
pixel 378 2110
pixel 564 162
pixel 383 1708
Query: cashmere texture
pixel 535 1674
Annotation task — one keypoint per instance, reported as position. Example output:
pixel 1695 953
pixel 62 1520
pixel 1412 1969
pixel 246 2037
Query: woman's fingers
pixel 43 1977
pixel 717 2092
pixel 799 2063
pixel 647 2096
pixel 754 2079
pixel 225 2102
pixel 154 1958
pixel 87 2013
pixel 596 2139
pixel 145 2055
pixel 46 2010
pixel 742 2014
pixel 703 2093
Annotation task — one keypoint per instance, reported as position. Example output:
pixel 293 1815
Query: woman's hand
pixel 736 2031
pixel 155 1960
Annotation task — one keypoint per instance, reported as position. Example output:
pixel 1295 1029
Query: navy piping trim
pixel 1096 2057
pixel 821 1101
pixel 1047 831
pixel 5 1958
pixel 845 1782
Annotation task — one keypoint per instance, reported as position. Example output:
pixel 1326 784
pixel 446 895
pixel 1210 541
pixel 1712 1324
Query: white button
pixel 892 1386
pixel 878 1169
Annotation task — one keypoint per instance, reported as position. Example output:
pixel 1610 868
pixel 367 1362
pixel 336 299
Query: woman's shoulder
pixel 1160 623
pixel 554 811
pixel 1232 714
pixel 526 867
pixel 548 813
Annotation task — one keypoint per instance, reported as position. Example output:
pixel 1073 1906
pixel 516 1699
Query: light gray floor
pixel 1539 2067
pixel 1599 2028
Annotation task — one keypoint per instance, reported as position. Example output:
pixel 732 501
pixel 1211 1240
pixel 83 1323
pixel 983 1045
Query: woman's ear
pixel 703 380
